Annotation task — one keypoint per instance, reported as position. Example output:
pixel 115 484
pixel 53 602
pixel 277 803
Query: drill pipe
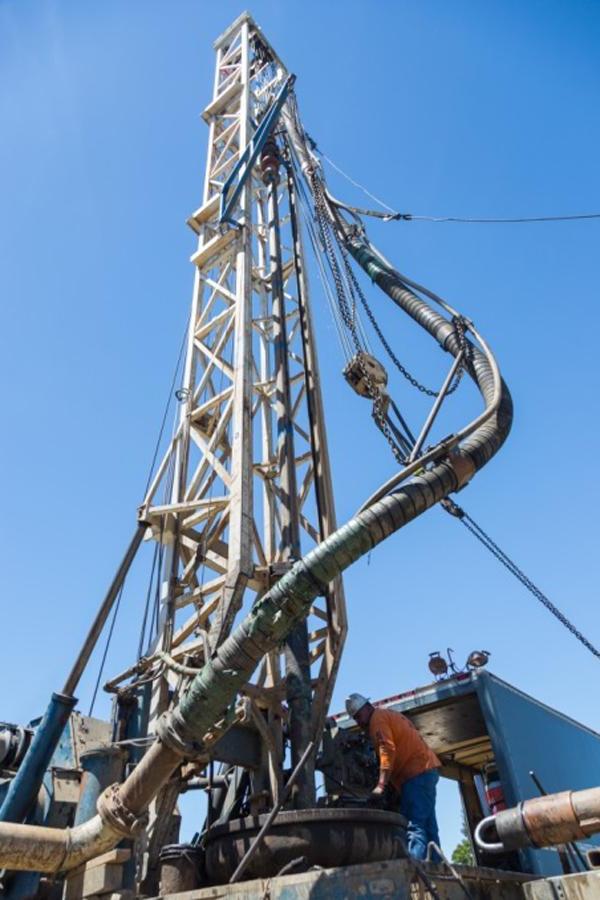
pixel 274 616
pixel 542 822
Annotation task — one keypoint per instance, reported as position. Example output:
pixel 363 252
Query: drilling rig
pixel 231 689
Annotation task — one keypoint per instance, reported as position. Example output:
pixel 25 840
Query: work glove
pixel 377 796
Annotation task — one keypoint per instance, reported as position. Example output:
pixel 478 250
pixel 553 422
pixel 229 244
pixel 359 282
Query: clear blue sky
pixel 456 108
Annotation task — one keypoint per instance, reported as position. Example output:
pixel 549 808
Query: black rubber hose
pixel 487 440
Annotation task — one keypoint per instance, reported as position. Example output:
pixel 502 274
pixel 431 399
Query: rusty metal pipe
pixel 542 822
pixel 39 849
pixel 153 771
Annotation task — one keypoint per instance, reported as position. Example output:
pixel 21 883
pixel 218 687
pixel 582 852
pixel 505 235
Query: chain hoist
pixel 364 367
pixel 364 372
pixel 458 322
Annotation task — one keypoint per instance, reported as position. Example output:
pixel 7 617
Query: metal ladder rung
pixel 215 246
pixel 204 214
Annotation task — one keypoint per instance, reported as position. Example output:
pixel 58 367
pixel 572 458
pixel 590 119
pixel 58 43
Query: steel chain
pixel 458 321
pixel 375 394
pixel 525 581
pixel 477 531
pixel 349 319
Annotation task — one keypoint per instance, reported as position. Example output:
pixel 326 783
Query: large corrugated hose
pixel 278 612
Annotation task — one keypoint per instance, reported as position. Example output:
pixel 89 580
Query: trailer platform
pixel 397 879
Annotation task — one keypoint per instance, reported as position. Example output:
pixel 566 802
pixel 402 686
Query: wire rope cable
pixel 148 601
pixel 477 531
pixel 394 215
pixel 167 407
pixel 106 648
pixel 314 241
pixel 158 551
pixel 319 251
pixel 356 183
pixel 409 217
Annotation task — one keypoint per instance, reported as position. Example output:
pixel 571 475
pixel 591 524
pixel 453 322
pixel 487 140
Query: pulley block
pixel 366 375
pixel 270 161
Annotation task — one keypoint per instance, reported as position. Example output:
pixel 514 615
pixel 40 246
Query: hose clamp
pixel 117 816
pixel 172 732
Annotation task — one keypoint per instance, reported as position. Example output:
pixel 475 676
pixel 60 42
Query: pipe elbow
pixel 88 840
pixel 52 850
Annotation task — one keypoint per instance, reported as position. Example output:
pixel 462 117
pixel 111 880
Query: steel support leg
pixel 297 654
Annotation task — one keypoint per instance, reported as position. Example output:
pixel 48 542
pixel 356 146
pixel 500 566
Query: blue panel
pixel 527 735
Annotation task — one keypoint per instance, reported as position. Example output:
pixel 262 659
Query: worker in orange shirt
pixel 407 764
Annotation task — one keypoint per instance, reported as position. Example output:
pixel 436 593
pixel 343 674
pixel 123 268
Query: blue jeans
pixel 417 804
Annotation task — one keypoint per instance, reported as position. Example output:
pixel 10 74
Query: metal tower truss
pixel 246 475
pixel 242 494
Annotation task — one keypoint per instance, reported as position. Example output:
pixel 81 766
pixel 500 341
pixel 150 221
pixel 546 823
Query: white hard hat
pixel 354 703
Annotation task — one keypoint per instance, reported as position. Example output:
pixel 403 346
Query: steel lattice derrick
pixel 221 501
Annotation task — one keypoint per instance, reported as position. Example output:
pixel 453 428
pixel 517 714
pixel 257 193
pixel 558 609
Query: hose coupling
pixel 542 822
pixel 173 732
pixel 117 816
pixel 463 465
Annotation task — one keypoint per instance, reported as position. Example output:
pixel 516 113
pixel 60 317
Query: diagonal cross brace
pixel 244 165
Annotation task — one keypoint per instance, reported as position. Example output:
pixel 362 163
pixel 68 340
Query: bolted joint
pixel 173 732
pixel 270 161
pixel 117 816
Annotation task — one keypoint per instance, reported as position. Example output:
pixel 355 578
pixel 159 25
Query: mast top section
pixel 232 29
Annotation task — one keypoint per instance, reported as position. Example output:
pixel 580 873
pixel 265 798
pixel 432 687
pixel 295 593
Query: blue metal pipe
pixel 137 723
pixel 24 787
pixel 102 766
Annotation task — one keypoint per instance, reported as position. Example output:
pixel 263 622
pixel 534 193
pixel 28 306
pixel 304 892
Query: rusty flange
pixel 113 811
